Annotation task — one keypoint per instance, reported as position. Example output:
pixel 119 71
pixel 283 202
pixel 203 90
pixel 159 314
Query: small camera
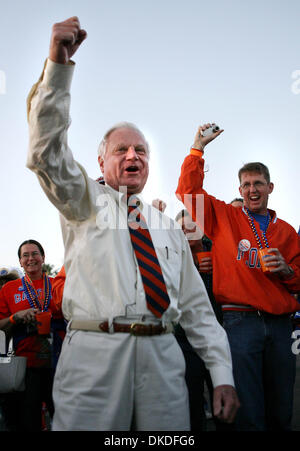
pixel 214 128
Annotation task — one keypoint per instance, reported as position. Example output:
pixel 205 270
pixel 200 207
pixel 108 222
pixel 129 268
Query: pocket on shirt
pixel 170 262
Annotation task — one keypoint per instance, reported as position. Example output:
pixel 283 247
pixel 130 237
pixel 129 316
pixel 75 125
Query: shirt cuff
pixel 196 152
pixel 221 376
pixel 58 75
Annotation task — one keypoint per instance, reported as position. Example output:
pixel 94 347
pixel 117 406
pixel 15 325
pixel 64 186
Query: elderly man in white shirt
pixel 120 367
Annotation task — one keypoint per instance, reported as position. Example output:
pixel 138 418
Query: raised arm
pixel 197 201
pixel 61 177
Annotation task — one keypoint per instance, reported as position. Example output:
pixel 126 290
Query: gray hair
pixel 103 144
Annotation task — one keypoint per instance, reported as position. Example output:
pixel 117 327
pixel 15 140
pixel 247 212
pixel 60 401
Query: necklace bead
pixel 253 228
pixel 32 295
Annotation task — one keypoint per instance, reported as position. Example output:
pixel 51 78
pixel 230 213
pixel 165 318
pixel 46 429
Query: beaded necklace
pixel 253 228
pixel 32 295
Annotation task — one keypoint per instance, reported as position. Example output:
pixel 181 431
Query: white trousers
pixel 119 382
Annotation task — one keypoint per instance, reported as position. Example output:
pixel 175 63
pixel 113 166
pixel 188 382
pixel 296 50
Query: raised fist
pixel 65 39
pixel 201 141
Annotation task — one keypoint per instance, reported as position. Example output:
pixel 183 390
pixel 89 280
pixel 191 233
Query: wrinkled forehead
pixel 126 136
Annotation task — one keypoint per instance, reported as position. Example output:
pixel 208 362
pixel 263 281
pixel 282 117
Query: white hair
pixel 103 144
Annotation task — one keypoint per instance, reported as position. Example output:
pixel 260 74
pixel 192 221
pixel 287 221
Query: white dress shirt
pixel 103 279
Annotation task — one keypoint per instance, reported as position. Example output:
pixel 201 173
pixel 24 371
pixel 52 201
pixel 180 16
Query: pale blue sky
pixel 168 66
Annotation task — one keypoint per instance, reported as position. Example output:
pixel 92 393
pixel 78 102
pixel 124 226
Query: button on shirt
pixel 103 278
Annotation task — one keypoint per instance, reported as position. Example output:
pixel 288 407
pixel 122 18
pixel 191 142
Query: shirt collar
pixel 121 196
pixel 272 214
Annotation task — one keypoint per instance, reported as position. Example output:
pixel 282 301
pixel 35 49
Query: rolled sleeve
pixel 63 180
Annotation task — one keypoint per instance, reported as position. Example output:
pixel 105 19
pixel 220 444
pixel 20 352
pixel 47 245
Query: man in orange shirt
pixel 256 304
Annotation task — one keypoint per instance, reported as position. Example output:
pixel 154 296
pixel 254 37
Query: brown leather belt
pixel 133 328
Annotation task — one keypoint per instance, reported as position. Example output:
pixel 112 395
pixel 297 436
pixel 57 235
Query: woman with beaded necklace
pixel 20 301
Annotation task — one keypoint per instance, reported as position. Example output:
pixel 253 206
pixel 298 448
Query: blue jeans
pixel 264 369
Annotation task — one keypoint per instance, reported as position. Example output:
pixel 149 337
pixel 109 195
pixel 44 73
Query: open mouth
pixel 132 169
pixel 254 198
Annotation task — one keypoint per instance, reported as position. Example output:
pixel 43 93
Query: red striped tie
pixel 154 285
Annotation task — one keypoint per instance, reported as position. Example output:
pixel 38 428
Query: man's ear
pixel 271 187
pixel 101 164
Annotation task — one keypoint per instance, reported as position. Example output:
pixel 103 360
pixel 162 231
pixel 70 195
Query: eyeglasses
pixel 257 185
pixel 30 254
